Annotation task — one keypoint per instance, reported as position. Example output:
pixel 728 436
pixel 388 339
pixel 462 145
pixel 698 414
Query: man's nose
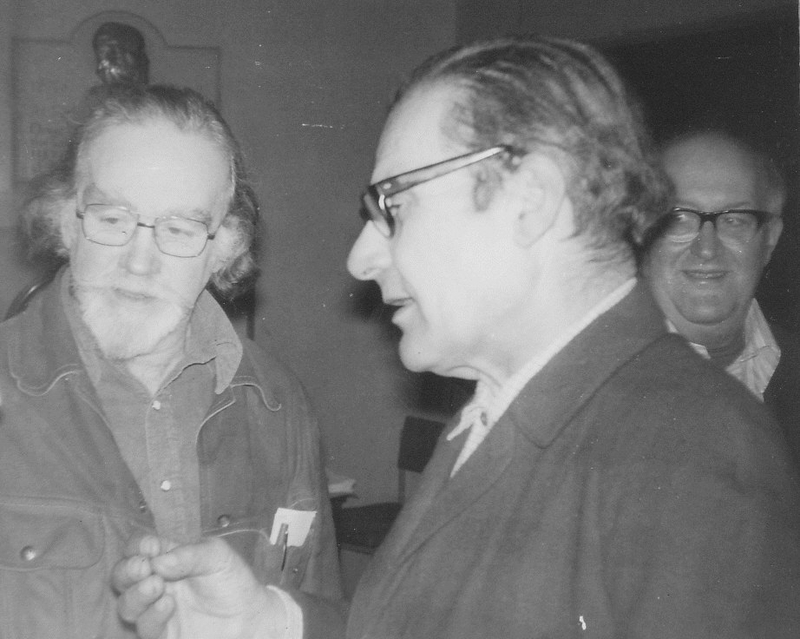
pixel 707 242
pixel 141 253
pixel 369 255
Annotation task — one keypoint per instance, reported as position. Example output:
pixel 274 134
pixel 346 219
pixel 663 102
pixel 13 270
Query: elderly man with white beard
pixel 130 402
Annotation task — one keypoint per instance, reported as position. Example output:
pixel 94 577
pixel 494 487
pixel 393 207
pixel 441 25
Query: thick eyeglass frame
pixel 761 217
pixel 126 238
pixel 375 198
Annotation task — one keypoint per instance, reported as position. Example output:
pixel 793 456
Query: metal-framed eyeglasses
pixel 115 226
pixel 733 226
pixel 376 200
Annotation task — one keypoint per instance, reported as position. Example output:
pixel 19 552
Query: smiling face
pixel 453 271
pixel 704 286
pixel 134 298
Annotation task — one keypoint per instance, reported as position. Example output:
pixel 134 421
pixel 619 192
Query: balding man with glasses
pixel 706 260
pixel 130 403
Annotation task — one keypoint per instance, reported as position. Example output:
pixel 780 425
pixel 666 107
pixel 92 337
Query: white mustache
pixel 153 292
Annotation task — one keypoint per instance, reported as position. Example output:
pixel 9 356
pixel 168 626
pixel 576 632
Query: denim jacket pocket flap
pixel 44 534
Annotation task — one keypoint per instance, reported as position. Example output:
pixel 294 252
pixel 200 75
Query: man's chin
pixel 416 354
pixel 125 328
pixel 708 314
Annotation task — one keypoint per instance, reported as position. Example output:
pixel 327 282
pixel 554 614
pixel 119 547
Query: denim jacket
pixel 68 502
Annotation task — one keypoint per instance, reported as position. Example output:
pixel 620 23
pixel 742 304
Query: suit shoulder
pixel 679 405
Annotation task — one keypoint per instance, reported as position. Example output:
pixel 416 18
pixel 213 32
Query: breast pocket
pixel 53 580
pixel 271 563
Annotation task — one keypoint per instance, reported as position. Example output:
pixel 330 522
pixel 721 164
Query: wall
pixel 15 273
pixel 304 84
pixel 598 20
pixel 322 100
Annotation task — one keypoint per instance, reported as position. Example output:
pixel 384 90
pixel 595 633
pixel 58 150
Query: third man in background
pixel 706 264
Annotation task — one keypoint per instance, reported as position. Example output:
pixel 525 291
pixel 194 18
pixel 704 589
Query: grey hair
pixel 562 98
pixel 770 176
pixel 189 111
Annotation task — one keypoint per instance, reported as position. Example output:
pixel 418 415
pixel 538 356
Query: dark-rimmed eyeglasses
pixel 733 226
pixel 376 199
pixel 115 226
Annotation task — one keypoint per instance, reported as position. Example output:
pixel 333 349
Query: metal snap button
pixel 28 553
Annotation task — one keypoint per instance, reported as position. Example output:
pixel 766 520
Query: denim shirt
pixel 68 502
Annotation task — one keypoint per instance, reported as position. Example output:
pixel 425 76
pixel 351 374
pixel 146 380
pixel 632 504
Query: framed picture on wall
pixel 52 79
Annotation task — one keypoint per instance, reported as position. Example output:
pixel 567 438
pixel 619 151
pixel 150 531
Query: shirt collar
pixel 212 337
pixel 758 360
pixel 757 334
pixel 492 405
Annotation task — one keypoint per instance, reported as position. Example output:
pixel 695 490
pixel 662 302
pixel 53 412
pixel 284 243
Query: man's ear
pixel 227 247
pixel 774 230
pixel 69 223
pixel 539 191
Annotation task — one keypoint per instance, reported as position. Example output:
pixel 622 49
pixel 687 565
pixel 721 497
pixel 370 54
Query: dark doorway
pixel 743 76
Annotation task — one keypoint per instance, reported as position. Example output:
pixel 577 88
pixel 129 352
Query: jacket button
pixel 223 521
pixel 28 553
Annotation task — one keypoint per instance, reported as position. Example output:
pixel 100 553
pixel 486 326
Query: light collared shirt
pixel 756 364
pixel 157 434
pixel 485 408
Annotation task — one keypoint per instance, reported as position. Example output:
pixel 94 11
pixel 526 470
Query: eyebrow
pixel 201 215
pixel 741 204
pixel 92 194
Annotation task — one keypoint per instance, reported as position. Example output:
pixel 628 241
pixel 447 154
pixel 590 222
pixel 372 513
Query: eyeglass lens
pixel 736 227
pixel 115 226
pixel 374 199
pixel 372 211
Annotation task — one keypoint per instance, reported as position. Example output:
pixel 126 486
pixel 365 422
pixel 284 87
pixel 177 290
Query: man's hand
pixel 195 591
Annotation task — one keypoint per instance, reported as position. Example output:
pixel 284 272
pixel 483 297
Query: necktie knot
pixel 473 415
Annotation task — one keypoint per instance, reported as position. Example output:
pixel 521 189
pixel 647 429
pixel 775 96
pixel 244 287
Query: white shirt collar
pixel 758 360
pixel 485 408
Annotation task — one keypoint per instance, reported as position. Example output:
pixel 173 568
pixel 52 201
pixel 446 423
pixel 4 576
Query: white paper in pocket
pixel 298 523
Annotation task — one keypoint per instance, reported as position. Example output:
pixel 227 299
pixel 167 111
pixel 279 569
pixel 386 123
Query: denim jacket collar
pixel 47 351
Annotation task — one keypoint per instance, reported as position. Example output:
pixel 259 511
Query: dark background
pixel 741 76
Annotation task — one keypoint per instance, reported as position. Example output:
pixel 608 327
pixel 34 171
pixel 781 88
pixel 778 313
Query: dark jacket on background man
pixel 782 395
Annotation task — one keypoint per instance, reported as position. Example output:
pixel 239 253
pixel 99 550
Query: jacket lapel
pixel 542 409
pixel 573 376
pixel 441 498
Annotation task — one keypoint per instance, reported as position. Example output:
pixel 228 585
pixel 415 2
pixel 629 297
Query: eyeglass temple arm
pixel 399 183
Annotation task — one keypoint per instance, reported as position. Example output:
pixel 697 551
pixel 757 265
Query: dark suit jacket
pixel 782 394
pixel 631 490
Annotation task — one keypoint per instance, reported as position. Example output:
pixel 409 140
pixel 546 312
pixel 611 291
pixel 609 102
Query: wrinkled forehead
pixel 154 142
pixel 415 133
pixel 714 173
pixel 155 166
